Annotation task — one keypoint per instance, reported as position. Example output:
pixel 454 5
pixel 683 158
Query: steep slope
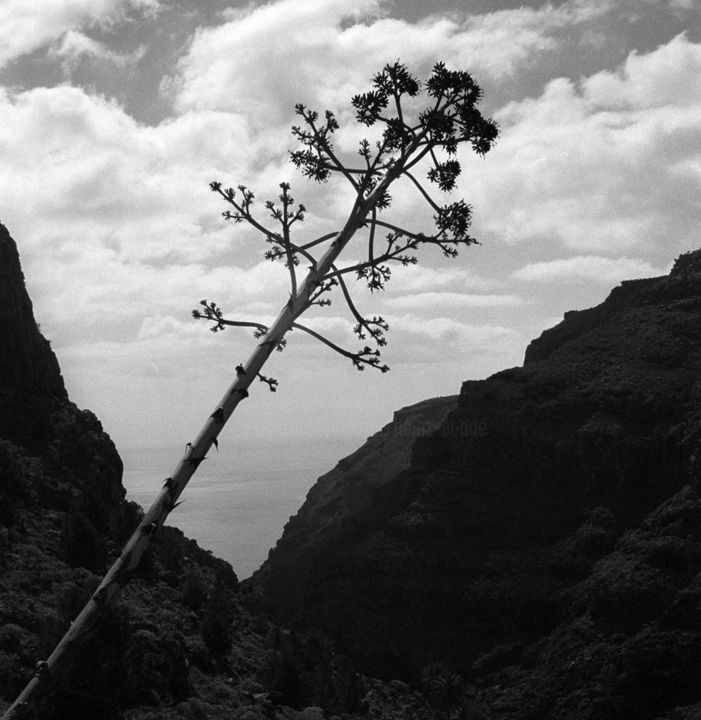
pixel 63 515
pixel 544 537
pixel 344 493
pixel 31 380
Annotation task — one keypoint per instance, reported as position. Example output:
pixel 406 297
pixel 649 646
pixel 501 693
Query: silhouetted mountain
pixel 544 541
pixel 31 380
pixel 539 535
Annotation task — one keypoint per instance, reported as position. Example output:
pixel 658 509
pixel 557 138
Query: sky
pixel 115 115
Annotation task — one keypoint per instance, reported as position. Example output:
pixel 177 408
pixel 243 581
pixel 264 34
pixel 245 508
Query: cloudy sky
pixel 116 114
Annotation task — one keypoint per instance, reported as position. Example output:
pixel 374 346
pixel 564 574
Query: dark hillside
pixel 545 540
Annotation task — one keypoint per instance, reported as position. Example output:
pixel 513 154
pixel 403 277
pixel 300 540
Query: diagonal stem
pixel 63 655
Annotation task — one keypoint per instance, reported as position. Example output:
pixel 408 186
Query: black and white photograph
pixel 350 360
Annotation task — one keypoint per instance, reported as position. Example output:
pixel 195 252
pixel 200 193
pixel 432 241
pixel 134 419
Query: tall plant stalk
pixel 431 139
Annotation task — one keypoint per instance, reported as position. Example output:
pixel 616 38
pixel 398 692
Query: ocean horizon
pixel 238 502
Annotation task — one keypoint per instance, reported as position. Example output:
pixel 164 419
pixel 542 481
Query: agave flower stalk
pixel 450 118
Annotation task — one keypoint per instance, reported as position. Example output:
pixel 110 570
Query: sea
pixel 240 498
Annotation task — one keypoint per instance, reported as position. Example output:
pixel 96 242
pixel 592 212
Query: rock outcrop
pixel 31 380
pixel 341 496
pixel 545 540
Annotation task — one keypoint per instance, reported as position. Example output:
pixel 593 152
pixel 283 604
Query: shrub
pixel 443 687
pixel 194 590
pixel 81 543
pixel 156 668
pixel 215 628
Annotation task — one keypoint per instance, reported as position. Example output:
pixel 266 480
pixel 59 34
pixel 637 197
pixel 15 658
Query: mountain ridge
pixel 494 541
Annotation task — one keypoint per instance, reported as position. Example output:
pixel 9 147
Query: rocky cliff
pixel 31 380
pixel 63 516
pixel 343 495
pixel 545 541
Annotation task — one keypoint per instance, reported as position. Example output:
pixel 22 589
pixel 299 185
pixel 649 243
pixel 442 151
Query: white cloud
pixel 265 59
pixel 669 76
pixel 576 167
pixel 334 327
pixel 429 301
pixel 500 43
pixel 568 167
pixel 104 175
pixel 682 5
pixel 263 62
pixel 419 278
pixel 75 46
pixel 120 236
pixel 447 344
pixel 26 25
pixel 115 219
pixel 586 268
